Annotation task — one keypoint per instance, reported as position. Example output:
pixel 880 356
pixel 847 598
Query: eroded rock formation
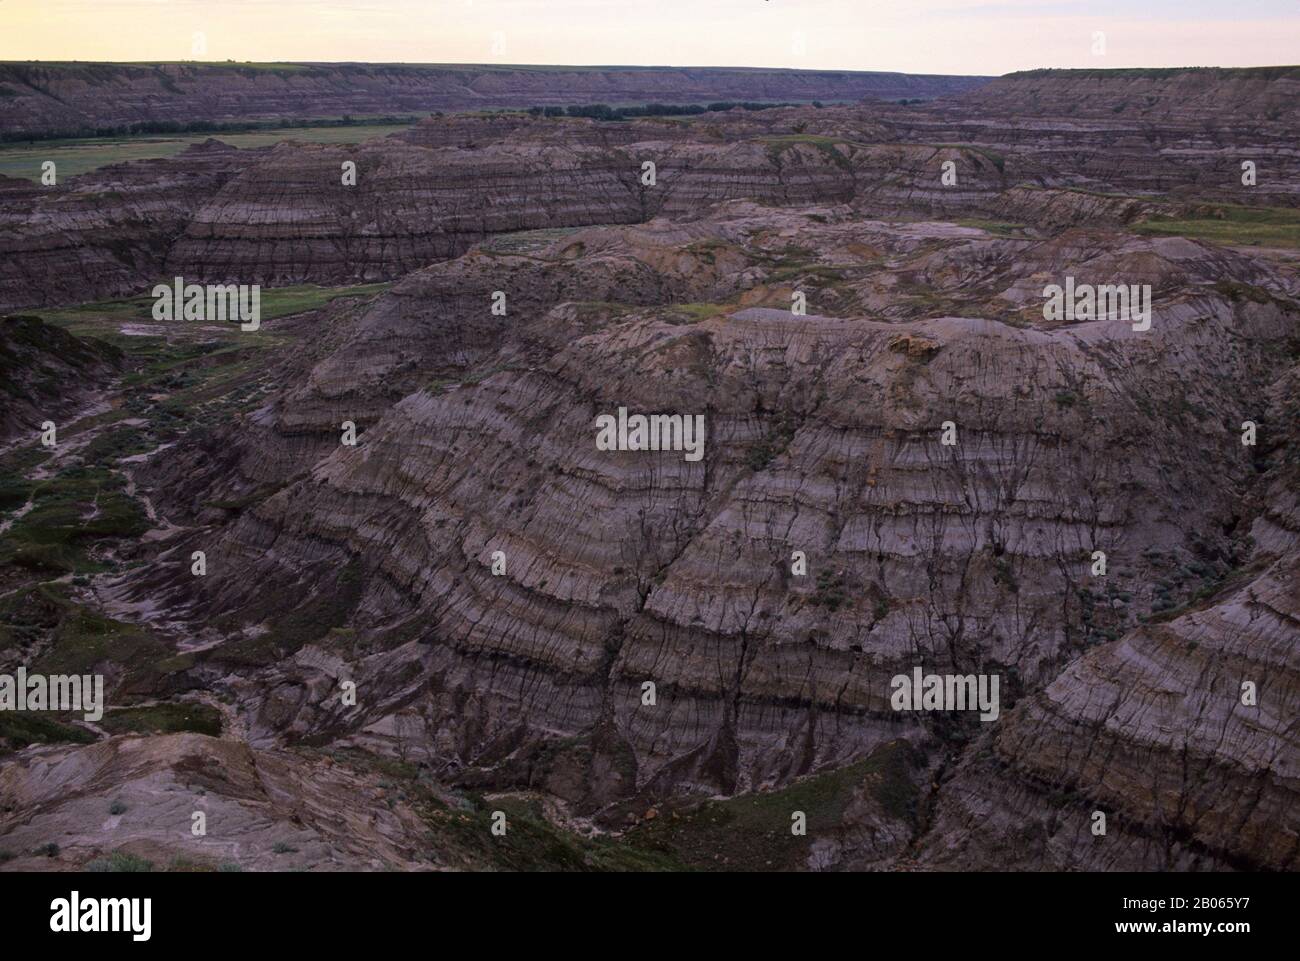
pixel 501 591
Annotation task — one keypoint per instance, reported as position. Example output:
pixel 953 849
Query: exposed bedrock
pixel 1182 733
pixel 621 630
pixel 69 98
pixel 47 373
pixel 104 234
pixel 284 215
pixel 290 219
pixel 1208 95
pixel 622 567
pixel 1151 731
pixel 262 806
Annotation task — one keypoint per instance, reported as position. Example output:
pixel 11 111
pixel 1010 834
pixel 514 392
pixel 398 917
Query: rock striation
pixel 909 464
pixel 70 98
pixel 104 234
pixel 823 438
pixel 48 373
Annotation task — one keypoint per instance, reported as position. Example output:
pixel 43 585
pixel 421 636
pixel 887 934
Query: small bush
pixel 119 863
pixel 117 807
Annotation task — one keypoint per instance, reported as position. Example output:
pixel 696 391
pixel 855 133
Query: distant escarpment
pixel 46 98
pixel 1180 95
pixel 285 215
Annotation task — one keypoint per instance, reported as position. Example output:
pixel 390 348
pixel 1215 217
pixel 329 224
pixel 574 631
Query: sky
pixel 915 36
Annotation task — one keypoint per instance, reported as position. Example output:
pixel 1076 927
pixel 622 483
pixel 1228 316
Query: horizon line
pixel 622 66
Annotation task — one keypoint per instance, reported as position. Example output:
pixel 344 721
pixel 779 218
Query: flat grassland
pixel 1231 225
pixel 82 156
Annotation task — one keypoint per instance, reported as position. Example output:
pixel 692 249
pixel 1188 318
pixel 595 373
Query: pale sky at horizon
pixel 915 36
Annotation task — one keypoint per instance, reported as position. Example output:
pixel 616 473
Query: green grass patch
pixel 998 228
pixel 694 313
pixel 463 836
pixel 752 832
pixel 22 728
pixel 1154 73
pixel 65 637
pixel 69 512
pixel 775 440
pixel 827 146
pixel 996 159
pixel 14 492
pixel 170 718
pixel 315 618
pixel 1230 225
pixel 103 317
pixel 460 827
pixel 81 156
pixel 112 445
pixel 284 301
pixel 119 863
pixel 527 241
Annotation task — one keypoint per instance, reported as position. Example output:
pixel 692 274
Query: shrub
pixel 119 863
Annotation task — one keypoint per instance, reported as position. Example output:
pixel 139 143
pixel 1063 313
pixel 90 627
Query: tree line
pixel 604 111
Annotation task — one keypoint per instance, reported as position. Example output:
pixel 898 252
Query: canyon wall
pixel 45 98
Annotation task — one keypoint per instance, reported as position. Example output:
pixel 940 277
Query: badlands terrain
pixel 459 614
pixel 42 99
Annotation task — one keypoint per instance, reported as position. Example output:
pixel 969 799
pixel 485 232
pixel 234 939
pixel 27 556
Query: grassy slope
pixel 1232 226
pixel 79 520
pixel 747 832
pixel 103 318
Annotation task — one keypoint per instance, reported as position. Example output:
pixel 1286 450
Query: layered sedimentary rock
pixel 102 234
pixel 1171 95
pixel 286 215
pixel 290 219
pixel 45 98
pixel 823 437
pixel 1153 733
pixel 885 398
pixel 1185 133
pixel 1182 733
pixel 47 373
pixel 268 811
